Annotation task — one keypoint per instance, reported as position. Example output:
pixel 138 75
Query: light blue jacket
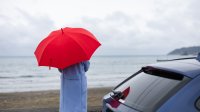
pixel 73 92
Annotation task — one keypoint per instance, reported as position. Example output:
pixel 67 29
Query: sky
pixel 124 27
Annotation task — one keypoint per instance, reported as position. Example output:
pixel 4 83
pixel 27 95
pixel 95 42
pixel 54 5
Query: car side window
pixel 197 104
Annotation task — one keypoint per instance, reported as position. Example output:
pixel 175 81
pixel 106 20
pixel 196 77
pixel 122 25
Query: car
pixel 167 86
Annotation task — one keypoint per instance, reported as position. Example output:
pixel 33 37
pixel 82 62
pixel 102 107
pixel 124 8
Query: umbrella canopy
pixel 65 47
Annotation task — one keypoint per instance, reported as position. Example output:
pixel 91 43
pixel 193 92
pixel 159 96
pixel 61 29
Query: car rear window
pixel 150 88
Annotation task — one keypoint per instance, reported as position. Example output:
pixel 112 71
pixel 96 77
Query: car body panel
pixel 184 99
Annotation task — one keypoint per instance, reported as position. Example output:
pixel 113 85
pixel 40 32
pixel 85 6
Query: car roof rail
pixel 197 58
pixel 177 59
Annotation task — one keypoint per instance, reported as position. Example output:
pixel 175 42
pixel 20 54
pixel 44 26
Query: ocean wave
pixel 16 77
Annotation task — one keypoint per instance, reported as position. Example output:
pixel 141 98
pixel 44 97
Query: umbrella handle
pixel 62 31
pixel 50 64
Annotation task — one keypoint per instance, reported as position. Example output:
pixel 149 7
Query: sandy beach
pixel 46 101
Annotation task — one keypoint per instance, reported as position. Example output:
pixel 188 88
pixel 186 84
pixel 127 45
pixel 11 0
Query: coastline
pixel 46 101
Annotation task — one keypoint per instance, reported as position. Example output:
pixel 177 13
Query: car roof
pixel 189 67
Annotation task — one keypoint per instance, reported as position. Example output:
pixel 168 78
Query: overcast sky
pixel 124 27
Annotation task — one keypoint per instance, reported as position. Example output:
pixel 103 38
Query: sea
pixel 22 73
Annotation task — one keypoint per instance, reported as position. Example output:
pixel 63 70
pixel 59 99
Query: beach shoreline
pixel 46 101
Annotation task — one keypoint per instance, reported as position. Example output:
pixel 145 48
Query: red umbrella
pixel 65 47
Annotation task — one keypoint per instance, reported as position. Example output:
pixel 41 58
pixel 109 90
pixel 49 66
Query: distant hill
pixel 186 51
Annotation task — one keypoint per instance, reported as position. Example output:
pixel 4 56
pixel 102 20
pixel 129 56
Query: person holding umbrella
pixel 69 50
pixel 73 93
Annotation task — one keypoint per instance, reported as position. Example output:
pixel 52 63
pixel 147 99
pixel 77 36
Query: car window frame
pixel 196 103
pixel 128 79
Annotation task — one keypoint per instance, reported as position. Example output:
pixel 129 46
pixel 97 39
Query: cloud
pixel 21 33
pixel 170 27
pixel 177 25
pixel 156 27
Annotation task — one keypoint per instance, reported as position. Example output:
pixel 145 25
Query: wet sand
pixel 46 101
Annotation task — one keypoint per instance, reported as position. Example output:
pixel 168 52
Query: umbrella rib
pixel 90 34
pixel 93 38
pixel 78 45
pixel 86 35
pixel 46 47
